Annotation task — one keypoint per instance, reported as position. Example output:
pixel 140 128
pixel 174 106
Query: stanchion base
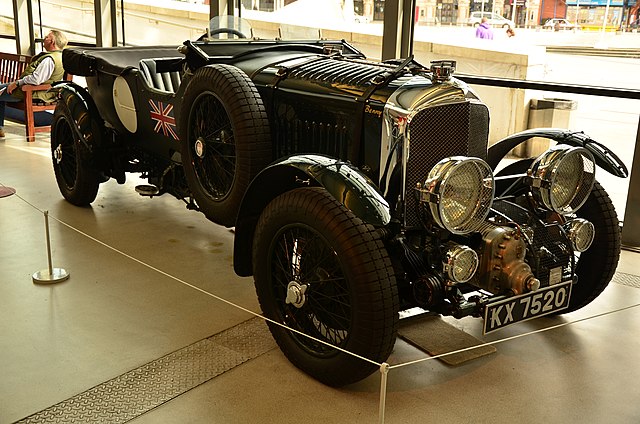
pixel 44 277
pixel 7 191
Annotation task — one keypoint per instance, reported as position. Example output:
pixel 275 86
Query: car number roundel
pixel 124 104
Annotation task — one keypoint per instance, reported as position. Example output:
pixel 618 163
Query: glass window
pixel 146 24
pixel 533 53
pixel 7 30
pixel 74 18
pixel 444 29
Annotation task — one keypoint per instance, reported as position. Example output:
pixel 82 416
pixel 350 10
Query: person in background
pixel 484 30
pixel 44 68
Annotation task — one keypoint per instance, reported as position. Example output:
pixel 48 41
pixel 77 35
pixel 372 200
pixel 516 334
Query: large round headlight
pixel 562 178
pixel 459 192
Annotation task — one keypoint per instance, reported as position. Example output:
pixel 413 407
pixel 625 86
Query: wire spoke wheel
pixel 324 273
pixel 302 255
pixel 225 139
pixel 214 148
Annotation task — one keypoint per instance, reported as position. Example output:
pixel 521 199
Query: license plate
pixel 527 306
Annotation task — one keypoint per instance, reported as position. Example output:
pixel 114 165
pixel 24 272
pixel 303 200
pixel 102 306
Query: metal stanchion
pixel 51 274
pixel 384 370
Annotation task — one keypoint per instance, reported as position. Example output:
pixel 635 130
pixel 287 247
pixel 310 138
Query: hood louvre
pixel 337 71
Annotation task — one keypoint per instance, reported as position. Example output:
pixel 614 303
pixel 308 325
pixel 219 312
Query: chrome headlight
pixel 459 193
pixel 581 233
pixel 562 178
pixel 461 263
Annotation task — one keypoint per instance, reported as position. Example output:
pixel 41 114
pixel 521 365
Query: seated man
pixel 44 68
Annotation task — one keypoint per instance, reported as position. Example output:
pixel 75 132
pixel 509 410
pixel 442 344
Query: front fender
pixel 346 183
pixel 604 157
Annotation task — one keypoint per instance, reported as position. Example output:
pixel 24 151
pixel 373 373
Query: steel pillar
pixel 631 227
pixel 106 21
pixel 397 34
pixel 23 23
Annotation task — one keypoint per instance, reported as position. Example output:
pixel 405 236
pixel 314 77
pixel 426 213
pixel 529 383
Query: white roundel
pixel 123 102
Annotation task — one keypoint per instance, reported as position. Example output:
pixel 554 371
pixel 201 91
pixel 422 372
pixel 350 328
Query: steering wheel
pixel 228 31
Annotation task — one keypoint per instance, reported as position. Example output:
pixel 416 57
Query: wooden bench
pixel 11 67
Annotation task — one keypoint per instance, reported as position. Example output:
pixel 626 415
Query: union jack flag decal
pixel 162 114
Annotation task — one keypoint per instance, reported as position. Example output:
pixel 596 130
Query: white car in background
pixel 493 18
pixel 360 19
pixel 560 24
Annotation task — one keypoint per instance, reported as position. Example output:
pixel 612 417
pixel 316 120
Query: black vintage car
pixel 357 189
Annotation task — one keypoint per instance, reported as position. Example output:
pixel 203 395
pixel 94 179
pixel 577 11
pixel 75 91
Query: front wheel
pixel 597 265
pixel 323 272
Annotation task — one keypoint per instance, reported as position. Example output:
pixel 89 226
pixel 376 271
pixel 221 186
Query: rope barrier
pixel 194 287
pixel 384 367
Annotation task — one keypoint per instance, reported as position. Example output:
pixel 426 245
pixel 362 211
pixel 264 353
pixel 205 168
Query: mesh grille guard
pixel 438 132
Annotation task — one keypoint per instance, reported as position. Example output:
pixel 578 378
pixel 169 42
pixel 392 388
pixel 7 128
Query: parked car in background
pixel 360 19
pixel 493 18
pixel 558 24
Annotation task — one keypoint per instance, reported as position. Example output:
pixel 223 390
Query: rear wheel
pixel 77 181
pixel 225 139
pixel 323 272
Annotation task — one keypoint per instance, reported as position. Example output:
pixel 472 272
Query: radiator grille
pixel 439 132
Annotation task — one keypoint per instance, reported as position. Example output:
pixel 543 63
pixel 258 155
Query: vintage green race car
pixel 357 189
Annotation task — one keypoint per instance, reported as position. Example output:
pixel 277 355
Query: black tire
pixel 77 181
pixel 225 139
pixel 596 266
pixel 351 298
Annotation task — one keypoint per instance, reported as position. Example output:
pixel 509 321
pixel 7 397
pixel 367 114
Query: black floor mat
pixel 434 336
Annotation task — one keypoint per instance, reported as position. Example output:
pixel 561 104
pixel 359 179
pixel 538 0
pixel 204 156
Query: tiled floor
pixel 140 273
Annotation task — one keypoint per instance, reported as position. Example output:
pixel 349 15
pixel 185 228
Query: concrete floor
pixel 140 273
